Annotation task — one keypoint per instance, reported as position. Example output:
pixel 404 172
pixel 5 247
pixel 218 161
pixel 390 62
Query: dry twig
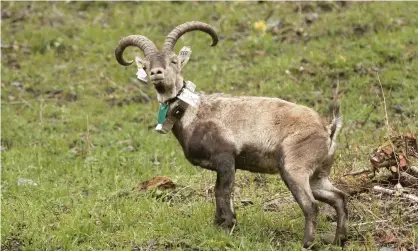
pixel 387 123
pixel 392 192
pixel 369 222
pixel 357 172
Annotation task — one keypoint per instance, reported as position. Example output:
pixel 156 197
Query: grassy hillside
pixel 82 127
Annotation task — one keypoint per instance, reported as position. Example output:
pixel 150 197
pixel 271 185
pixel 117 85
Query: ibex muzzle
pixel 157 78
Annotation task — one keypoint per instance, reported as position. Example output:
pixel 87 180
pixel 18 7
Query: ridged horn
pixel 143 43
pixel 176 33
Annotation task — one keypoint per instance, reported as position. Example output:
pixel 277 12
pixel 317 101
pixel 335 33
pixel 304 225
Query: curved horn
pixel 146 45
pixel 176 33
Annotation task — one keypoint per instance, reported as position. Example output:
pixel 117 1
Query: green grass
pixel 74 121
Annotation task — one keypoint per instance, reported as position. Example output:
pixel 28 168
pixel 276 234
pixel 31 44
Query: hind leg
pixel 324 191
pixel 298 184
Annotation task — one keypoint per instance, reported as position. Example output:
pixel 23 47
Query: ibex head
pixel 163 67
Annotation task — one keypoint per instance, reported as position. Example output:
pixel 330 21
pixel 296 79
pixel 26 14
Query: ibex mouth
pixel 157 78
pixel 159 86
pixel 157 82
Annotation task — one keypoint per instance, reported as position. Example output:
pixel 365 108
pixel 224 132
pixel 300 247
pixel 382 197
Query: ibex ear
pixel 141 74
pixel 184 55
pixel 140 62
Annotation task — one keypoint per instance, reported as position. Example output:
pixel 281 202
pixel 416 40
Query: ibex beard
pixel 258 134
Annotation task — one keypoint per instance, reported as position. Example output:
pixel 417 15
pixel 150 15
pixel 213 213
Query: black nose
pixel 156 71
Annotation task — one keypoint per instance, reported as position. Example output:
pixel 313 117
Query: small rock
pixel 128 149
pixel 311 17
pixel 273 23
pixel 300 31
pixel 386 249
pixel 398 186
pixel 22 182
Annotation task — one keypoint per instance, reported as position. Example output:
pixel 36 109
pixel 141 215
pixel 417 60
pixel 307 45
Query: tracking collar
pixel 171 111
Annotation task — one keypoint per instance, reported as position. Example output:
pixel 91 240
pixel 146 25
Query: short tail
pixel 334 127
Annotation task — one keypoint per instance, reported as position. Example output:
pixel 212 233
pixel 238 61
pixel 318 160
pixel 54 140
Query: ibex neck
pixel 182 127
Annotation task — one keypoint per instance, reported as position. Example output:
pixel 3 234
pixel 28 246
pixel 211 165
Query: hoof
pixel 308 245
pixel 340 241
pixel 226 224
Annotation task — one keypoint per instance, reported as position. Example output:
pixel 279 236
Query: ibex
pixel 265 135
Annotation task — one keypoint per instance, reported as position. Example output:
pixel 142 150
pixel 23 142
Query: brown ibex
pixel 258 134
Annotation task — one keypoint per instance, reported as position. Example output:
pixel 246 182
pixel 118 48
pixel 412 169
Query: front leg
pixel 225 169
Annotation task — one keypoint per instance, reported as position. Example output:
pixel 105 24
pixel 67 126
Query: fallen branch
pixel 363 223
pixel 413 170
pixel 357 172
pixel 408 176
pixel 408 180
pixel 393 192
pixel 370 222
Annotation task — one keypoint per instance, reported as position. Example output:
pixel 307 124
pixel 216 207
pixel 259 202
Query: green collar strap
pixel 162 113
pixel 167 117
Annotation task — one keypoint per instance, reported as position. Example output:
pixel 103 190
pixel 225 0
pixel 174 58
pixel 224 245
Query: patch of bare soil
pixel 158 182
pixel 163 189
